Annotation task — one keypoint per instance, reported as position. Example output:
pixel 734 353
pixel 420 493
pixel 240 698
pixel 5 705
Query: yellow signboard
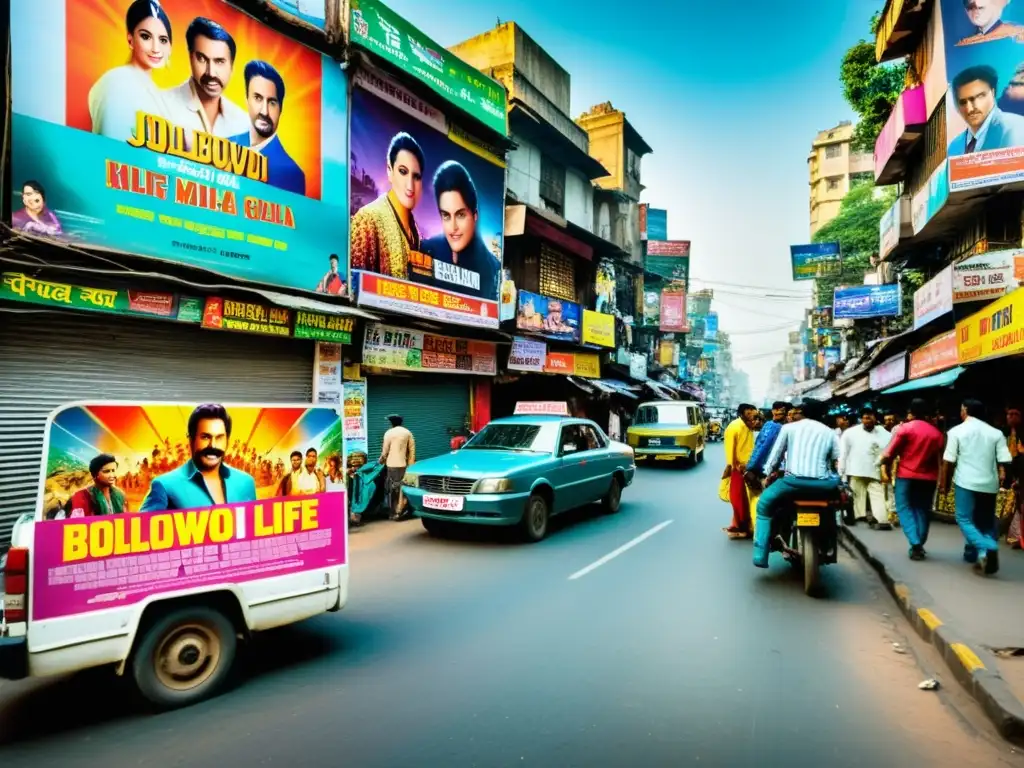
pixel 588 366
pixel 598 328
pixel 995 331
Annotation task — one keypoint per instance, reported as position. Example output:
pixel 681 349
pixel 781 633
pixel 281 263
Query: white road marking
pixel 615 553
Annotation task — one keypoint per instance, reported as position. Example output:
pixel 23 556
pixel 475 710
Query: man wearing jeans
pixel 918 446
pixel 976 457
pixel 812 451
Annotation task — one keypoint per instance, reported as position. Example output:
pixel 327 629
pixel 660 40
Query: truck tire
pixel 185 656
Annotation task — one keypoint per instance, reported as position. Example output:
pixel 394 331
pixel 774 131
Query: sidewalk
pixel 965 616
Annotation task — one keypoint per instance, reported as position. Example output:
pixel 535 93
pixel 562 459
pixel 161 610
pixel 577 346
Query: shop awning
pixel 311 305
pixel 943 379
pixel 822 392
pixel 613 386
pixel 855 386
pixel 660 390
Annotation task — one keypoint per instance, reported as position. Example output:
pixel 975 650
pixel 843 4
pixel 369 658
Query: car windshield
pixel 661 413
pixel 537 438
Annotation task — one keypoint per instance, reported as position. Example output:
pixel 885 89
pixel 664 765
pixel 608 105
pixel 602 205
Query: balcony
pixel 905 126
pixel 900 29
pixel 896 225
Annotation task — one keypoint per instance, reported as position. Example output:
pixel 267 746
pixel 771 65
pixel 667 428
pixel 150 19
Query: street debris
pixel 931 684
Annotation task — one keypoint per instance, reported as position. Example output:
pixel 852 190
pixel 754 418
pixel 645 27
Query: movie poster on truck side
pixel 184 131
pixel 143 498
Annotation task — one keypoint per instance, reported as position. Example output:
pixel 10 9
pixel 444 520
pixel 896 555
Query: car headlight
pixel 411 480
pixel 493 485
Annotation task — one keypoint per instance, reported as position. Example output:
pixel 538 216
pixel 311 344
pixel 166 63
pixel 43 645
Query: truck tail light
pixel 16 585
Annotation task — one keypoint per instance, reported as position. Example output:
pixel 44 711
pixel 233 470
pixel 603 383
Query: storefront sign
pixel 821 317
pixel 573 364
pixel 598 329
pixel 935 356
pixel 889 229
pixel 552 318
pixel 328 374
pixel 320 327
pixel 449 262
pixel 230 315
pixel 354 423
pixel 934 299
pixel 985 277
pixel 380 30
pixel 111 153
pixel 668 259
pixel 995 331
pixel 527 355
pixel 815 260
pixel 17 286
pixel 401 349
pixel 930 198
pixel 666 350
pixel 672 318
pixel 888 373
pixel 862 301
pixel 88 556
pixel 638 366
pixel 400 296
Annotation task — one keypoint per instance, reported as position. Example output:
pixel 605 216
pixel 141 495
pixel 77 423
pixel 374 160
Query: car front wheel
pixel 535 518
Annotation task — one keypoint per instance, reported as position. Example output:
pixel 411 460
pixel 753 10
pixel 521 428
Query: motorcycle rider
pixel 811 450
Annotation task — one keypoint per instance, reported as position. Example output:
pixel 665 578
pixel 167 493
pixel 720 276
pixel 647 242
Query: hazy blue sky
pixel 729 95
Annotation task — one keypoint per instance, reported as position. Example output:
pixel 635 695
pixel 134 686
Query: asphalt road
pixel 485 652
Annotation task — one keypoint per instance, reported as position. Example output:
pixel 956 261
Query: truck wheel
pixel 535 519
pixel 185 656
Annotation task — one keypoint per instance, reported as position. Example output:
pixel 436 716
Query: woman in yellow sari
pixel 384 232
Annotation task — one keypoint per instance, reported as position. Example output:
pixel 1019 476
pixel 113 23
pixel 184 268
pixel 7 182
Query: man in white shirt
pixel 199 103
pixel 397 453
pixel 861 448
pixel 975 460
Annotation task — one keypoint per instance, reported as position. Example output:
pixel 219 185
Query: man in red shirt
pixel 918 445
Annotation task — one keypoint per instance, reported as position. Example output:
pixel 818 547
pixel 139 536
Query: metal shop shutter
pixel 50 359
pixel 431 404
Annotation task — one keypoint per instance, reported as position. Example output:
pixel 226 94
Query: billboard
pixel 653 223
pixel 230 157
pixel 711 326
pixel 862 301
pixel 402 349
pixel 552 318
pixel 984 47
pixel 598 329
pixel 995 331
pixel 672 317
pixel 232 493
pixel 427 207
pixel 815 260
pixel 935 298
pixel 668 259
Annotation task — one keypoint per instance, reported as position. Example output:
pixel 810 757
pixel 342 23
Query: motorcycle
pixel 808 536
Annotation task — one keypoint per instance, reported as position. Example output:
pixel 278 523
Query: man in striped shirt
pixel 811 451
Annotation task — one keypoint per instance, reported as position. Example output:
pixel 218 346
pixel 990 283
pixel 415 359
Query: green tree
pixel 870 88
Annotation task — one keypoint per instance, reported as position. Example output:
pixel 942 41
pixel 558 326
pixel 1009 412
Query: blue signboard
pixel 862 301
pixel 657 224
pixel 711 327
pixel 815 260
pixel 831 357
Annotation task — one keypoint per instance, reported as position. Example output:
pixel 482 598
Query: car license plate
pixel 444 503
pixel 808 519
pixel 654 442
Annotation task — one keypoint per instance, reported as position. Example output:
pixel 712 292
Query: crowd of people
pixel 899 467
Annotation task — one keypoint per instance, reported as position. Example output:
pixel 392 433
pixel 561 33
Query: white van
pixel 166 533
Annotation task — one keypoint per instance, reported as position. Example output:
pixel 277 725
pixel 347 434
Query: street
pixel 484 652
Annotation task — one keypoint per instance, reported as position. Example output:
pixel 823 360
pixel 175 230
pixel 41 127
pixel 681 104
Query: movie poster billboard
pixel 427 207
pixel 552 318
pixel 984 48
pixel 143 498
pixel 202 137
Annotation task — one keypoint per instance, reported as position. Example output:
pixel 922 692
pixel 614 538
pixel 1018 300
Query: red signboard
pixel 673 312
pixel 937 355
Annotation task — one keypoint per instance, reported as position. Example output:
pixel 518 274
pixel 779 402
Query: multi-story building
pixel 833 167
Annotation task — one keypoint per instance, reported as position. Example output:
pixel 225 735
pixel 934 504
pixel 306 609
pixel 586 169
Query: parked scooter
pixel 808 537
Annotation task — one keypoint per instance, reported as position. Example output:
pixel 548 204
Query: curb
pixel 973 665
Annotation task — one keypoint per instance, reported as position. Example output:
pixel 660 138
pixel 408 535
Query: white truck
pixel 122 568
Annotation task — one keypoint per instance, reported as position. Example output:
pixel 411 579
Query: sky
pixel 729 96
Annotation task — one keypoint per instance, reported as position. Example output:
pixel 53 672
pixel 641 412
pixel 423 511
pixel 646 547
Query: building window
pixel 832 183
pixel 552 185
pixel 557 274
pixel 633 164
pixel 833 151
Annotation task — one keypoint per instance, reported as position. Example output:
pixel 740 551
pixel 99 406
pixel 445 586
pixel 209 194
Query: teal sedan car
pixel 519 471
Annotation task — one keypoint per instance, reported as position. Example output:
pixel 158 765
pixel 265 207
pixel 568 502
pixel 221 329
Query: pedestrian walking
pixel 889 422
pixel 975 460
pixel 861 450
pixel 739 444
pixel 397 454
pixel 763 444
pixel 916 450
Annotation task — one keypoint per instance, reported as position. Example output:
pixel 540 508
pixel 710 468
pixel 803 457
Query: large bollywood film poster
pixel 427 206
pixel 141 498
pixel 182 130
pixel 984 49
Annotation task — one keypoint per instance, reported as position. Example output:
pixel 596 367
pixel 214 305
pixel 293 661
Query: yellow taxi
pixel 668 430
